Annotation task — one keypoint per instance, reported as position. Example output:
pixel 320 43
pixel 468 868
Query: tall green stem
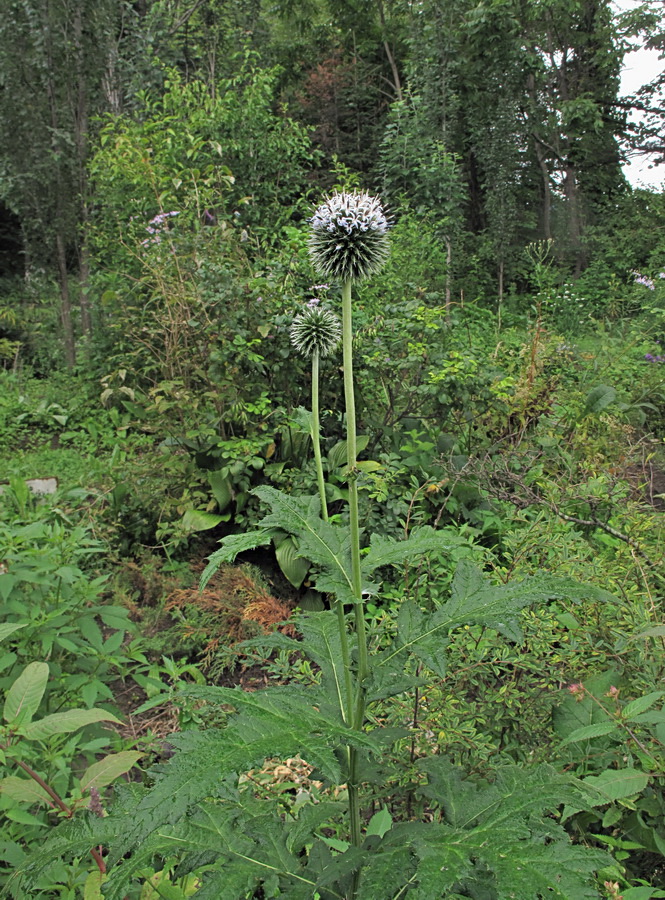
pixel 316 439
pixel 359 710
pixel 348 712
pixel 351 459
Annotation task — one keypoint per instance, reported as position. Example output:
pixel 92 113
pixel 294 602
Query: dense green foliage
pixel 467 701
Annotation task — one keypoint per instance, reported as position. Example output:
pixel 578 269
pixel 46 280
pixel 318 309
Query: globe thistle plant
pixel 349 236
pixel 315 330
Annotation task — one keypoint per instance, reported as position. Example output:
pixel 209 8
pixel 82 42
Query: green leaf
pixel 639 893
pixel 220 485
pixel 326 545
pixel 23 790
pixel 92 889
pixel 105 772
pixel 198 520
pixel 573 712
pixel 496 829
pixel 617 784
pixel 385 551
pixel 231 547
pixel 65 722
pixel 380 823
pixel 322 644
pixel 338 454
pixel 589 732
pixel 293 566
pixel 7 628
pixel 25 694
pixel 599 398
pixel 640 705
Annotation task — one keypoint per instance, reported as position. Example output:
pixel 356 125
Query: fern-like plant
pixel 494 840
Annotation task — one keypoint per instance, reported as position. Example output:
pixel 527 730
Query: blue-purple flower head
pixel 315 330
pixel 349 236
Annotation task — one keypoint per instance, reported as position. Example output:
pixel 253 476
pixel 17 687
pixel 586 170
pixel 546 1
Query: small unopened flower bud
pixel 349 237
pixel 315 330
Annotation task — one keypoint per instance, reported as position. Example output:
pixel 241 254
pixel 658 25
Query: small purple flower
pixel 313 302
pixel 642 279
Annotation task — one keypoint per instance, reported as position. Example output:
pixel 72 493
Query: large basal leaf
pixel 280 722
pixel 495 829
pixel 25 694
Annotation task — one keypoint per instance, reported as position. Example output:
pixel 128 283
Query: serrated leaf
pixel 276 722
pixel 325 544
pixel 640 705
pixel 589 732
pixel 25 694
pixel 474 600
pixel 65 722
pixel 322 644
pixel 385 551
pixel 497 830
pixel 617 784
pixel 104 772
pixel 232 545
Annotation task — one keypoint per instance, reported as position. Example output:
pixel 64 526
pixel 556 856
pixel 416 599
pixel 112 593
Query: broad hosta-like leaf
pixel 293 566
pixel 25 694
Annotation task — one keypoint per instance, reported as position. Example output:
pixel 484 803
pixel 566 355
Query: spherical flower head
pixel 349 237
pixel 315 330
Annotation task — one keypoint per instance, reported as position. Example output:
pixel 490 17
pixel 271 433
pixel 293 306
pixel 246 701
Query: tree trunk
pixel 65 302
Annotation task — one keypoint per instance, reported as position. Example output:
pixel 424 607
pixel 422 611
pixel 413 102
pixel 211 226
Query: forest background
pixel 159 164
